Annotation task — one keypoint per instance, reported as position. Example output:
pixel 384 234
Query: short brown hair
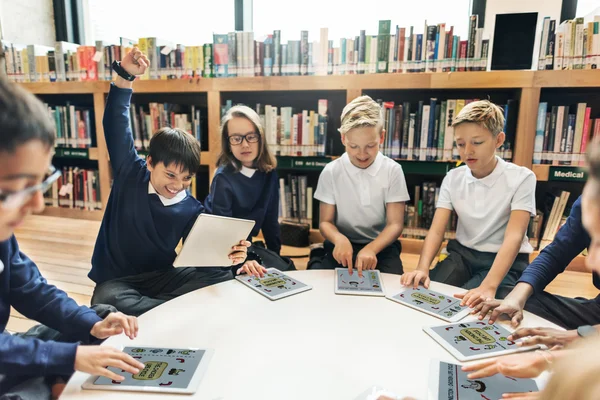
pixel 265 161
pixel 360 112
pixel 175 146
pixel 484 113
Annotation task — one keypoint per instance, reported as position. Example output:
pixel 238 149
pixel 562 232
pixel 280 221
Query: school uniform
pixel 483 207
pixel 360 197
pixel 132 263
pixel 569 242
pixel 26 360
pixel 254 195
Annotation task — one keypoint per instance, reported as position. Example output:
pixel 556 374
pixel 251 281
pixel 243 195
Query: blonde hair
pixel 360 112
pixel 484 113
pixel 576 375
pixel 264 162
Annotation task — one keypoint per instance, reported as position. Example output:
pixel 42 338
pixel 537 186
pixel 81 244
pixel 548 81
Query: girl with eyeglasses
pixel 246 186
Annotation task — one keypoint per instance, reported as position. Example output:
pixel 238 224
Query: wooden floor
pixel 62 249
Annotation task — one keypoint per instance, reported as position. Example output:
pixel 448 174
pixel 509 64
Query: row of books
pixel 562 134
pixel 549 219
pixel 291 132
pixel 296 199
pixel 419 212
pixel 425 132
pixel 573 44
pixel 239 54
pixel 73 125
pixel 76 188
pixel 146 120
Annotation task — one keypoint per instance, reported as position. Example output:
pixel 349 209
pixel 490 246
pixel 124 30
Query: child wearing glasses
pixel 149 210
pixel 32 363
pixel 246 185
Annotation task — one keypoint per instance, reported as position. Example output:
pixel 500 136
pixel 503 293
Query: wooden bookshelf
pixel 63 212
pixel 529 85
pixel 559 173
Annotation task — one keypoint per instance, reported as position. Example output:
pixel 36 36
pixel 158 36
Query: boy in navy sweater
pixel 26 362
pixel 148 211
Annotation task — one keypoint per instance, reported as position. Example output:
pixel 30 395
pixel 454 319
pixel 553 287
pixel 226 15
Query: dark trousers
pixel 270 259
pixel 467 268
pixel 565 311
pixel 37 388
pixel 388 259
pixel 136 294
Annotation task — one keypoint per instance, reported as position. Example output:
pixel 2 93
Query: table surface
pixel 313 345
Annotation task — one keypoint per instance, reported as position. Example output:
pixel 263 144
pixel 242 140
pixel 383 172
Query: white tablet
pixel 274 285
pixel 369 284
pixel 449 382
pixel 433 303
pixel 166 370
pixel 210 240
pixel 475 340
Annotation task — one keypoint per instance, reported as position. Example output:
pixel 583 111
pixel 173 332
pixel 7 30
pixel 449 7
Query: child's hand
pixel 475 296
pixel 342 252
pixel 239 252
pixel 252 268
pixel 95 360
pixel 135 62
pixel 115 324
pixel 523 365
pixel 415 277
pixel 366 259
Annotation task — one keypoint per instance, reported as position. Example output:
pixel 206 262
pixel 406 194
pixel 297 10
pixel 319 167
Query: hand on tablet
pixel 546 336
pixel 95 360
pixel 252 268
pixel 511 307
pixel 366 259
pixel 415 277
pixel 342 252
pixel 521 365
pixel 475 296
pixel 115 324
pixel 239 252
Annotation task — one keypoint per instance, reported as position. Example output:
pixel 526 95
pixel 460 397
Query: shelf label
pixel 571 174
pixel 72 153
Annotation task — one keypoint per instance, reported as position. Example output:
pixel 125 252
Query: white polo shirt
pixel 360 195
pixel 484 205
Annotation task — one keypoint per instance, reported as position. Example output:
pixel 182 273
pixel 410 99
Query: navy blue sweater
pixel 27 291
pixel 138 233
pixel 233 194
pixel 569 242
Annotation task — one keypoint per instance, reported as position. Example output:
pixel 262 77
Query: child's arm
pixel 394 223
pixel 270 227
pixel 431 246
pixel 342 252
pixel 116 120
pixel 513 237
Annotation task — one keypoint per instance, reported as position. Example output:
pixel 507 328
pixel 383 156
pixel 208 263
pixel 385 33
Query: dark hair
pixel 264 162
pixel 175 146
pixel 22 118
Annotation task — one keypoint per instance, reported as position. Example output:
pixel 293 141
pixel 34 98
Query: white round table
pixel 313 345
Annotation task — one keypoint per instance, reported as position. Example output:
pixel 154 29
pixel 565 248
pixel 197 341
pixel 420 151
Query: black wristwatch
pixel 587 331
pixel 116 66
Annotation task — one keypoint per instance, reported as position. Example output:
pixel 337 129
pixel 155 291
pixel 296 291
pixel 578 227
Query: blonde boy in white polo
pixel 362 197
pixel 493 199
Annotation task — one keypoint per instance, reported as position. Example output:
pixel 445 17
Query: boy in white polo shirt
pixel 362 197
pixel 493 199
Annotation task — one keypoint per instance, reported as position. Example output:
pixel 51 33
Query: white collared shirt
pixel 248 172
pixel 484 205
pixel 167 202
pixel 360 195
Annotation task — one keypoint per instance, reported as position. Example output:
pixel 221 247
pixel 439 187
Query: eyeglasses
pixel 12 200
pixel 238 139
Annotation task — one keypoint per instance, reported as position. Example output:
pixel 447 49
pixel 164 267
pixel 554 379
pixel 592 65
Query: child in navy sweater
pixel 26 361
pixel 246 184
pixel 148 211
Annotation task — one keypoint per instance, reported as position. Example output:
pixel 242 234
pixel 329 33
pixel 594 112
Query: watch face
pixel 587 330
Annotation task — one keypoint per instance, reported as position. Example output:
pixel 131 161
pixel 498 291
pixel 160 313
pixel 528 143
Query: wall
pixel 28 21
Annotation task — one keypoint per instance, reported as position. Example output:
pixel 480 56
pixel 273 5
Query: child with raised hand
pixel 29 364
pixel 149 210
pixel 493 199
pixel 362 196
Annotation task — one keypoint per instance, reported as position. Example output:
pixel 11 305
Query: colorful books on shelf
pixel 76 188
pixel 296 199
pixel 244 54
pixel 563 133
pixel 73 125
